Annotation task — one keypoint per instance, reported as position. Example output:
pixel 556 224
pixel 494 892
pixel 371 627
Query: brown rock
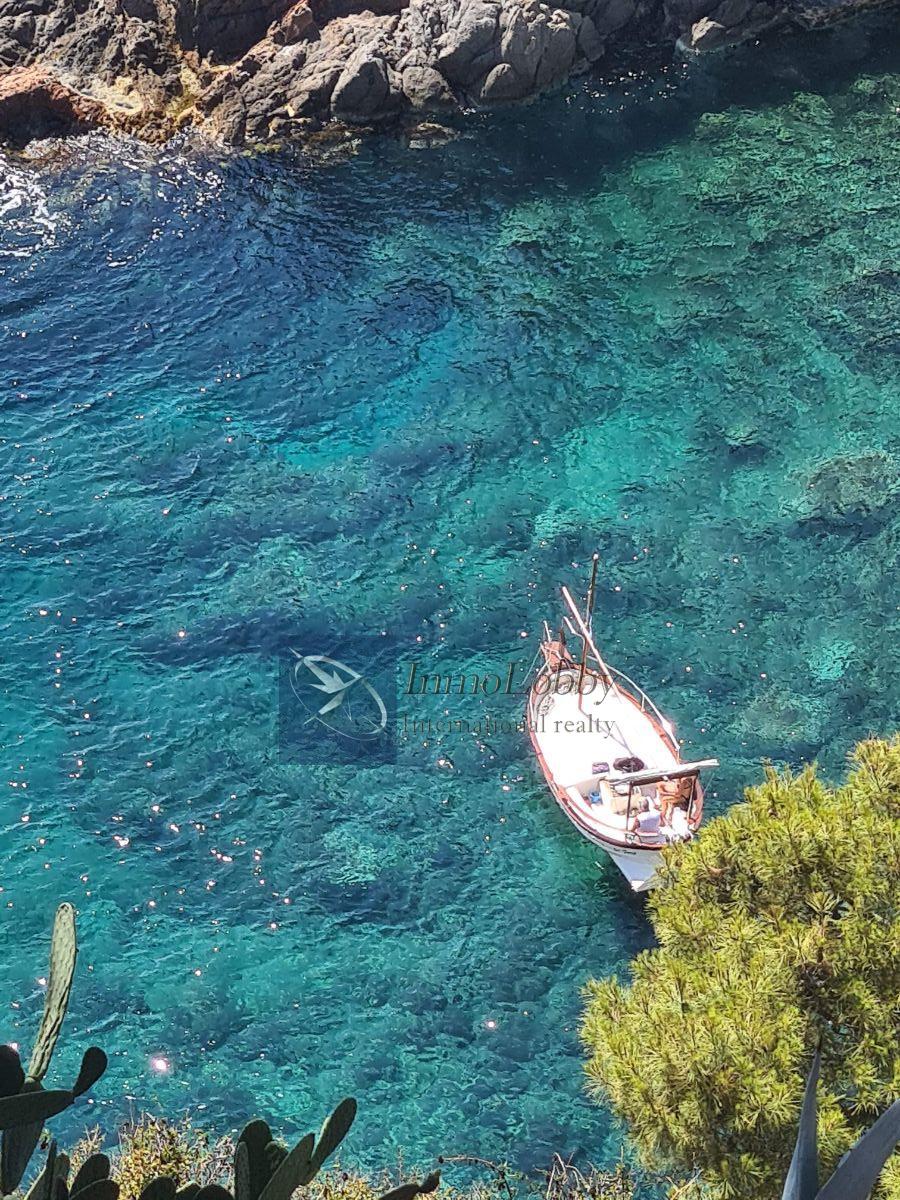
pixel 362 89
pixel 424 87
pixel 501 85
pixel 245 70
pixel 34 104
pixel 297 24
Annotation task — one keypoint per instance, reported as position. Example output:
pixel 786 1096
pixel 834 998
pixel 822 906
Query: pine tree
pixel 779 927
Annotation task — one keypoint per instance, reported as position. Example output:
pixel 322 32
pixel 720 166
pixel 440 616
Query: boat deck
pixel 576 734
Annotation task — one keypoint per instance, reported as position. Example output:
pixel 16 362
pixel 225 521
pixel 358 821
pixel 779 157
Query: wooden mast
pixel 590 596
pixel 588 619
pixel 585 634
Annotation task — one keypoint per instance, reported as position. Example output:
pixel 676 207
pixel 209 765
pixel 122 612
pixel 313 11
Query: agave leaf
pixel 59 986
pixel 20 1139
pixel 802 1181
pixel 306 1145
pixel 12 1077
pixel 17 1146
pixel 335 1129
pixel 275 1155
pixel 96 1166
pixel 59 1185
pixel 242 1187
pixel 857 1174
pixel 93 1064
pixel 406 1191
pixel 29 1107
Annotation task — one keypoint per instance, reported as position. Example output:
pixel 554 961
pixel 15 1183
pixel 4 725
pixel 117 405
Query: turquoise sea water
pixel 411 393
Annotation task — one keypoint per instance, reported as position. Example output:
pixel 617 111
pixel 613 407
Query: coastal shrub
pixel 857 1172
pixel 778 929
pixel 152 1146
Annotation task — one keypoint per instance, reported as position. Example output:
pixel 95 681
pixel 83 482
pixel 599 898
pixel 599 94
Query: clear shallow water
pixel 411 392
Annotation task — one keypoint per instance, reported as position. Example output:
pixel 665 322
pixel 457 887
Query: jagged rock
pixel 297 23
pixel 253 70
pixel 362 88
pixel 462 50
pixel 590 43
pixel 428 133
pixel 707 35
pixel 34 105
pixel 733 21
pixel 538 42
pixel 224 29
pixel 681 15
pixel 313 90
pixel 609 16
pixel 560 46
pixel 425 88
pixel 521 47
pixel 10 52
pixel 141 10
pixel 502 84
pixel 21 29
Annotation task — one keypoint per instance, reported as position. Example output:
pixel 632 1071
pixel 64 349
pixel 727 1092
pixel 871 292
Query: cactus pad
pixel 95 1167
pixel 56 1001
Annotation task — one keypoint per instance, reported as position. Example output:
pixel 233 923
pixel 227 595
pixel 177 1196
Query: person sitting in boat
pixel 672 795
pixel 556 654
pixel 678 822
pixel 646 820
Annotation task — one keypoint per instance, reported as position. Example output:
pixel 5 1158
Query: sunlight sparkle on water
pixel 551 348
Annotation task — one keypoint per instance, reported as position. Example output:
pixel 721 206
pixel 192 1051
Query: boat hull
pixel 565 757
pixel 637 863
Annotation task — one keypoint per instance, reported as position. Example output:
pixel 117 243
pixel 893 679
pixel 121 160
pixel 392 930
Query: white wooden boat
pixel 610 758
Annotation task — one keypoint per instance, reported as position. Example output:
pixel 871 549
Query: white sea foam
pixel 28 223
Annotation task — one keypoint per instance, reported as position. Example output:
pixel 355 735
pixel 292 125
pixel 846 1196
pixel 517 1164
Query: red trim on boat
pixel 565 803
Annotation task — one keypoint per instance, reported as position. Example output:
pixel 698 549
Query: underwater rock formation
pixel 263 70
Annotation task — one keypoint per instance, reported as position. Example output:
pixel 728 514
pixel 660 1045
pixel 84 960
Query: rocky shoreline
pixel 262 71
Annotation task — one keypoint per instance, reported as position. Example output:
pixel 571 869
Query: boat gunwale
pixel 630 840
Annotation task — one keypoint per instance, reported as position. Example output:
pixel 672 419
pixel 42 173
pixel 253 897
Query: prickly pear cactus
pixel 408 1191
pixel 24 1103
pixel 266 1170
pixel 63 950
